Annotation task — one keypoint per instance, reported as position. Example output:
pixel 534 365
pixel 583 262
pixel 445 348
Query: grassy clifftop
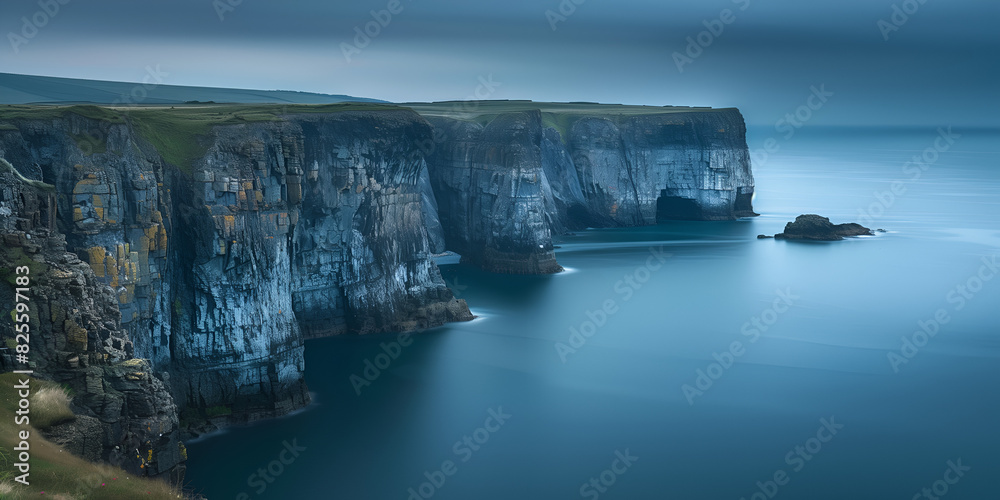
pixel 55 472
pixel 180 133
pixel 557 115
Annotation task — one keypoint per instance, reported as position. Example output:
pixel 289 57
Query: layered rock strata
pixel 510 175
pixel 207 275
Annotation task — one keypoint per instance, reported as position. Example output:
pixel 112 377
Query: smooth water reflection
pixel 825 356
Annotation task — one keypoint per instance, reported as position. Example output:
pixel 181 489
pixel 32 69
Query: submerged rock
pixel 817 228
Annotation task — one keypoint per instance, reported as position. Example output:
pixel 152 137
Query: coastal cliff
pixel 488 182
pixel 184 256
pixel 208 247
pixel 124 414
pixel 508 175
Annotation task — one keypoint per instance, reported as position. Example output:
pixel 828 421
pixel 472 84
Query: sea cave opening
pixel 744 202
pixel 676 208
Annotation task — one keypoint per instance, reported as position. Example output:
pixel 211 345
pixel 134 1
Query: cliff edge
pixel 507 175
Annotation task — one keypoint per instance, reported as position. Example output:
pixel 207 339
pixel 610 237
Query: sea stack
pixel 812 227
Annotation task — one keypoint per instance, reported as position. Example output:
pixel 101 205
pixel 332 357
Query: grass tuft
pixel 50 406
pixel 56 472
pixel 5 166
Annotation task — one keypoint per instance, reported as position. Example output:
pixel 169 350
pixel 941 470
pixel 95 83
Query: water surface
pixel 828 316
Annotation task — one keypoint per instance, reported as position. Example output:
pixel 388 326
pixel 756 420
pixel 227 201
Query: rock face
pixel 505 187
pixel 647 168
pixel 813 227
pixel 77 339
pixel 361 252
pixel 488 182
pixel 208 277
pixel 182 258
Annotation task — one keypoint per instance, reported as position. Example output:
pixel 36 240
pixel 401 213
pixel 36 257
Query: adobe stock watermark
pixel 364 34
pixel 153 78
pixel 30 26
pixel 900 15
pixel 797 459
pixel 485 89
pixel 714 28
pixel 913 170
pixel 223 7
pixel 566 8
pixel 267 474
pixel 457 289
pixel 94 139
pixel 792 122
pixel 959 297
pixel 464 449
pixel 622 462
pixel 376 365
pixel 598 317
pixel 952 475
pixel 752 330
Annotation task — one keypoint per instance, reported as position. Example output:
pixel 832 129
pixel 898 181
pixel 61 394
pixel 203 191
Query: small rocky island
pixel 812 227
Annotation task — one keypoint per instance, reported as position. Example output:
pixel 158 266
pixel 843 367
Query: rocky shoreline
pixel 179 275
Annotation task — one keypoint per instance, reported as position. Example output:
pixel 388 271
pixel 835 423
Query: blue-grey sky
pixel 939 65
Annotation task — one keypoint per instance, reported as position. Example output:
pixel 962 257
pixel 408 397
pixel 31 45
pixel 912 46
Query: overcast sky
pixel 939 66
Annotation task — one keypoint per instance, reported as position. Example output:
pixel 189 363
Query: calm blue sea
pixel 715 366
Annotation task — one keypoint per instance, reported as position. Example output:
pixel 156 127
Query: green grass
pixel 180 140
pixel 557 115
pixel 181 133
pixel 453 108
pixel 45 112
pixel 562 122
pixel 218 411
pixel 59 474
pixel 11 258
pixel 49 407
pixel 5 166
